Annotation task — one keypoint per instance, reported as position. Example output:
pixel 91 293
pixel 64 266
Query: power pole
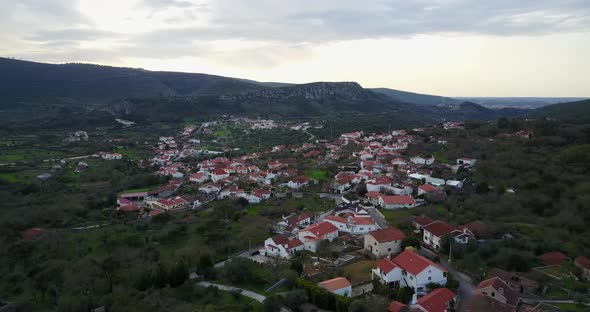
pixel 450 250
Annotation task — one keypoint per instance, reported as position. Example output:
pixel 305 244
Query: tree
pixel 178 274
pixel 297 266
pixel 272 304
pixel 295 298
pixel 411 241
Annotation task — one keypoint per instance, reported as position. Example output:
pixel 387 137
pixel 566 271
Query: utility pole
pixel 450 250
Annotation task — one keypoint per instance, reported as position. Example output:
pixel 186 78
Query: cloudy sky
pixel 445 47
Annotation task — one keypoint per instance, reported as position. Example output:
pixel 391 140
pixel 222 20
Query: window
pixel 411 277
pixel 429 278
pixel 388 249
pixel 493 294
pixel 375 243
pixel 445 274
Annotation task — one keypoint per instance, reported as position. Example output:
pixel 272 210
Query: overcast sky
pixel 445 47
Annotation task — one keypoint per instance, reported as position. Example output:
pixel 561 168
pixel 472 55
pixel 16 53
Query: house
pixel 32 234
pixel 198 177
pixel 434 232
pixel 353 224
pixel 427 189
pixel 167 204
pixel 373 197
pixel 81 167
pixel 421 221
pixel 232 191
pixel 298 182
pixel 396 306
pixel 313 234
pixel 422 161
pixel 219 174
pixel 339 286
pixel 384 242
pixel 438 300
pixel 281 246
pixel 466 162
pixel 210 188
pixel 258 195
pixel 497 290
pixel 409 269
pixel 584 264
pixel 454 183
pixel 462 234
pixel 553 258
pixel 395 202
pixel 295 222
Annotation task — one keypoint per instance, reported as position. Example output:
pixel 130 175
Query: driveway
pixel 378 217
pixel 258 297
pixel 466 286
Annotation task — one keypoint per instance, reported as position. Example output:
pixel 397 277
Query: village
pixel 375 176
pixel 365 229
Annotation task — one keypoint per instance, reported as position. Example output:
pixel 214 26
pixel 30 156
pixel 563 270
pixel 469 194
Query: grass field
pixel 225 301
pixel 360 271
pixel 394 217
pixel 317 174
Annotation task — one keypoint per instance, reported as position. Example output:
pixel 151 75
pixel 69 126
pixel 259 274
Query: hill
pixel 417 98
pixel 52 95
pixel 578 111
pixel 24 80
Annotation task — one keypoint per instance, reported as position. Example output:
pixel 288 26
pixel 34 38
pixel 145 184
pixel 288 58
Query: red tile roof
pixel 437 300
pixel 336 219
pixel 498 283
pixel 428 188
pixel 422 220
pixel 32 233
pixel 386 265
pixel 363 220
pixel 553 258
pixel 414 263
pixel 398 200
pixel 583 262
pixel 335 284
pixel 321 229
pixel 387 235
pixel 373 194
pixel 438 228
pixel 396 306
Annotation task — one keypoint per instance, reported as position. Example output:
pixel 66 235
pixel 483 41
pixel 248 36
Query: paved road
pixel 466 286
pixel 378 217
pixel 244 292
pixel 250 294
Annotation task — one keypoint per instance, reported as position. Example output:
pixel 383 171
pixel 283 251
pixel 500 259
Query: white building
pixel 281 246
pixel 339 286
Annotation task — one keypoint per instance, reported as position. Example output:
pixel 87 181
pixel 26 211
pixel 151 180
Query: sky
pixel 444 47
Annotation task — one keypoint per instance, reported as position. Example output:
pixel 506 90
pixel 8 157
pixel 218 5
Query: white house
pixel 339 286
pixel 313 234
pixel 210 188
pixel 396 202
pixel 422 161
pixel 353 225
pixel 219 174
pixel 281 246
pixel 409 269
pixel 298 182
pixel 466 161
pixel 198 177
pixel 433 233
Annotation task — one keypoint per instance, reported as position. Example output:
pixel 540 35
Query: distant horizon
pixel 479 48
pixel 294 83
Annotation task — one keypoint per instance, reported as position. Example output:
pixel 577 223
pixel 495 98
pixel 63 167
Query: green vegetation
pixel 317 174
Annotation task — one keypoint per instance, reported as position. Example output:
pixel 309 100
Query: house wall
pixel 346 291
pixel 381 250
pixel 431 240
pixel 493 293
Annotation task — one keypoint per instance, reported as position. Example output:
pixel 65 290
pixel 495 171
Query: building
pixel 553 258
pixel 384 242
pixel 167 204
pixel 313 234
pixel 434 232
pixel 298 182
pixel 353 225
pixel 396 202
pixel 438 300
pixel 499 290
pixel 466 161
pixel 281 246
pixel 409 269
pixel 584 264
pixel 339 286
